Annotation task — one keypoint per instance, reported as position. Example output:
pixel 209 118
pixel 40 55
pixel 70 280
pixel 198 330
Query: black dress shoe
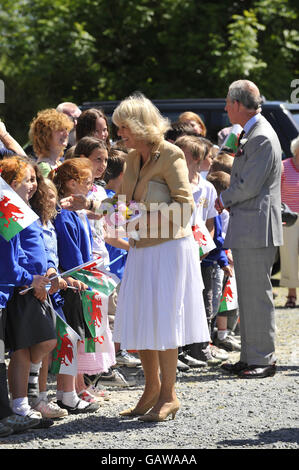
pixel 234 368
pixel 257 372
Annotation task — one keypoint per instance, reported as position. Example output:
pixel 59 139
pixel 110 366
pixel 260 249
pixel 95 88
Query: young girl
pixel 49 132
pixel 74 176
pixel 30 331
pixel 44 201
pixel 93 364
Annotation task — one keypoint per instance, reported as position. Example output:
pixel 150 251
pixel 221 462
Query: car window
pixel 219 120
pixel 295 116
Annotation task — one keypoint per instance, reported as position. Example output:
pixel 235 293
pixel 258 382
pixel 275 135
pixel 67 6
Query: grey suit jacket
pixel 254 195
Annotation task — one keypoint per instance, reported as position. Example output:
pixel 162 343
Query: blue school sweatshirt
pixel 73 241
pixel 37 259
pixel 10 270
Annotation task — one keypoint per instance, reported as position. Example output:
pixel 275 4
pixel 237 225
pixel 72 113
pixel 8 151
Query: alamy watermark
pixel 295 94
pixel 2 92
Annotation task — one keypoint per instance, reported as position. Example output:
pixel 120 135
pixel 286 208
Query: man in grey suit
pixel 255 228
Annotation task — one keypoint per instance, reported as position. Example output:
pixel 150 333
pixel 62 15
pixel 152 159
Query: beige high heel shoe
pixel 154 417
pixel 139 411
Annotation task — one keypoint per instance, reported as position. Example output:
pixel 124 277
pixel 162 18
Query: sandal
pixel 86 396
pixel 76 410
pixel 291 301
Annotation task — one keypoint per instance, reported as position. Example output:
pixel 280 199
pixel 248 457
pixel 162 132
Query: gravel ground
pixel 217 412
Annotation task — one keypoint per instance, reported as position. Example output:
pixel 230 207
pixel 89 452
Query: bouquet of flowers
pixel 117 213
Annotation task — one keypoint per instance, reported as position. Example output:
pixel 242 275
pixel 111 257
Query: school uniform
pixel 74 248
pixel 10 273
pixel 30 321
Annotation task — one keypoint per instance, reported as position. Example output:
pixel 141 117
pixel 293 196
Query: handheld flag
pixel 15 214
pixel 64 356
pixel 229 299
pixel 203 238
pixel 232 139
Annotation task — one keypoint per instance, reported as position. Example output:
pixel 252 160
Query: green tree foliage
pixel 79 50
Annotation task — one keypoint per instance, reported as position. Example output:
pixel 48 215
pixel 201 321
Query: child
pixel 30 331
pixel 204 195
pixel 222 162
pixel 221 181
pixel 95 150
pixel 44 203
pixel 207 158
pixel 49 132
pixel 74 240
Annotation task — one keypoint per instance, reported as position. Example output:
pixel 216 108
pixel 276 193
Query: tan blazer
pixel 161 182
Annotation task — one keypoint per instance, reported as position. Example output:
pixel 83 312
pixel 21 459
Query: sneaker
pixel 228 343
pixel 191 361
pixel 114 379
pixel 18 423
pixel 219 353
pixel 123 358
pixel 182 367
pixel 49 409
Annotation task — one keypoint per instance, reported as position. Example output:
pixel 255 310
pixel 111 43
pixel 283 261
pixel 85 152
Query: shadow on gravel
pixel 290 435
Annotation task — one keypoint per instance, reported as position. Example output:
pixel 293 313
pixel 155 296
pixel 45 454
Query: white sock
pixel 20 406
pixel 59 395
pixel 34 372
pixel 71 399
pixel 222 334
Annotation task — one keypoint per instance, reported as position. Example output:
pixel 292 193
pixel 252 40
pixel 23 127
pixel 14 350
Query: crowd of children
pixel 62 239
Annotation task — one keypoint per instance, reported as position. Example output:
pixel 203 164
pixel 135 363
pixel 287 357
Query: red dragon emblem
pixel 9 211
pixel 95 309
pixel 97 274
pixel 227 292
pixel 65 351
pixel 199 237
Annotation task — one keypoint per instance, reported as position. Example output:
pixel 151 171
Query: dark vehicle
pixel 284 117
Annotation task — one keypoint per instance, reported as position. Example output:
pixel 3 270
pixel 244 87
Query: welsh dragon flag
pixel 202 237
pixel 95 303
pixel 229 298
pixel 64 356
pixel 232 139
pixel 15 214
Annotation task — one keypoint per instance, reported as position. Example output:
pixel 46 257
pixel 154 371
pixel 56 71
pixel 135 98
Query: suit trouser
pixel 256 308
pixel 5 409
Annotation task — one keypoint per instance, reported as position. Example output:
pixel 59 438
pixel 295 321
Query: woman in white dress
pixel 160 305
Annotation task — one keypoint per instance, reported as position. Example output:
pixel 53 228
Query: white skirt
pixel 160 304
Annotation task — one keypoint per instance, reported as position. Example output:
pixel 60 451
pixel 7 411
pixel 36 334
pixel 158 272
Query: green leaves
pixel 79 50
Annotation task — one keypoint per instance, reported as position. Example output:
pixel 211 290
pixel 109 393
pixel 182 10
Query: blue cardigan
pixel 10 270
pixel 217 255
pixel 74 244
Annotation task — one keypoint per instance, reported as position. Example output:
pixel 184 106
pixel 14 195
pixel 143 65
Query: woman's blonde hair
pixel 42 127
pixel 74 168
pixel 142 117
